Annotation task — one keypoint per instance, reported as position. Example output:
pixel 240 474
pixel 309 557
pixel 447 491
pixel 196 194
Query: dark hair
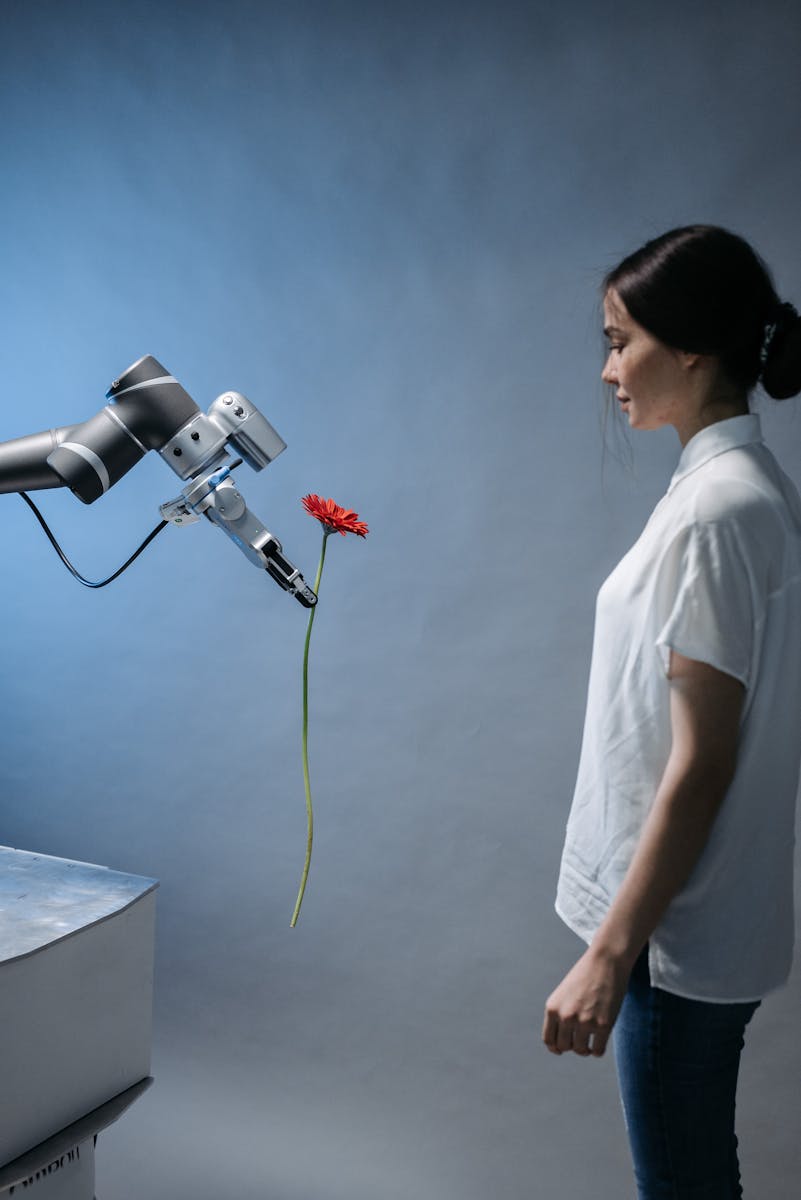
pixel 704 290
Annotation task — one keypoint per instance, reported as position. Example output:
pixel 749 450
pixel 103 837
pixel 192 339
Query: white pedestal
pixel 76 987
pixel 63 1167
pixel 69 1176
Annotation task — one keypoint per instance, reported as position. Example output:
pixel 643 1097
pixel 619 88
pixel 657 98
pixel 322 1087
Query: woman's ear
pixel 690 360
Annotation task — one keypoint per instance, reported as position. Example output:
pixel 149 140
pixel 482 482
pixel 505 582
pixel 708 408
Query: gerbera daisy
pixel 334 519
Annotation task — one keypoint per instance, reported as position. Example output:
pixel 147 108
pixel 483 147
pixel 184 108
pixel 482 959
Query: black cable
pixel 76 574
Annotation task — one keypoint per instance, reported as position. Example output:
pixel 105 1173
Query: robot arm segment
pixel 146 407
pixel 149 410
pixel 23 461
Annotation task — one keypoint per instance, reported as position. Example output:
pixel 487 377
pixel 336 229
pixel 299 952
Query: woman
pixel 677 866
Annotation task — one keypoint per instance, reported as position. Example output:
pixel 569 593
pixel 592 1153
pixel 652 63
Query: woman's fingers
pixel 550 1028
pixel 564 1036
pixel 561 1036
pixel 581 1041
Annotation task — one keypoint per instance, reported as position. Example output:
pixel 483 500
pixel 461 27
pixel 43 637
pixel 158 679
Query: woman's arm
pixel 705 708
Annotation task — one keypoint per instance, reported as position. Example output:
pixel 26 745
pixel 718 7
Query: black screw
pixel 195 437
pixel 177 451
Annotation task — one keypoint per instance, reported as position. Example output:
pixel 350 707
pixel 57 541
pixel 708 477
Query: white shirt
pixel 715 576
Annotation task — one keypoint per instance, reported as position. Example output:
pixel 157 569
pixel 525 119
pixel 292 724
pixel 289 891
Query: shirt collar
pixel 716 439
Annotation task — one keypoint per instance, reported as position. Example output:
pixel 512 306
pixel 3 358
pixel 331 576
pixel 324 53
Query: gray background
pixel 386 224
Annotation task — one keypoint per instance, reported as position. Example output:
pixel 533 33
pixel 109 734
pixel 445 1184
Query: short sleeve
pixel 704 600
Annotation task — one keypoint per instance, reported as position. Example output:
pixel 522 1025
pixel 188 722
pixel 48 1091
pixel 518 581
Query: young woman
pixel 678 859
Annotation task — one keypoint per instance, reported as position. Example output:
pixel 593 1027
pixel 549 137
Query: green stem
pixel 307 785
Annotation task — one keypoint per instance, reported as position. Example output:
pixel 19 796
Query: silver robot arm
pixel 149 410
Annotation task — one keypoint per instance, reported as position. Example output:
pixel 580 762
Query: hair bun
pixel 781 353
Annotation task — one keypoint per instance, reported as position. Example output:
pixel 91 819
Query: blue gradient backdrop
pixel 386 225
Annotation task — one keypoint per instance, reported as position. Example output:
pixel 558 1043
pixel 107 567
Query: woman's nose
pixel 609 375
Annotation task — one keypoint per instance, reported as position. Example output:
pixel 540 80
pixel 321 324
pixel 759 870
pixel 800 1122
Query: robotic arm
pixel 149 410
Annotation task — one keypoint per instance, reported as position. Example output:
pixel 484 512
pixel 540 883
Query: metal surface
pixel 44 899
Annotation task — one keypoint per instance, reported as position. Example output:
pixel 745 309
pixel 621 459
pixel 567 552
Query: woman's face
pixel 651 378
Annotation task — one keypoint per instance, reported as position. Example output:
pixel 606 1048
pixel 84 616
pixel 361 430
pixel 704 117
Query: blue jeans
pixel 677 1063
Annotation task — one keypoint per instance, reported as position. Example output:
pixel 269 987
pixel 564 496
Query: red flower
pixel 335 518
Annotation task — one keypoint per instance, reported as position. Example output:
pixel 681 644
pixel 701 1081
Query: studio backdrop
pixel 386 225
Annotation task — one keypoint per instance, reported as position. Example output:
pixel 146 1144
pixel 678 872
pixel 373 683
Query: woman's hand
pixel 580 1014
